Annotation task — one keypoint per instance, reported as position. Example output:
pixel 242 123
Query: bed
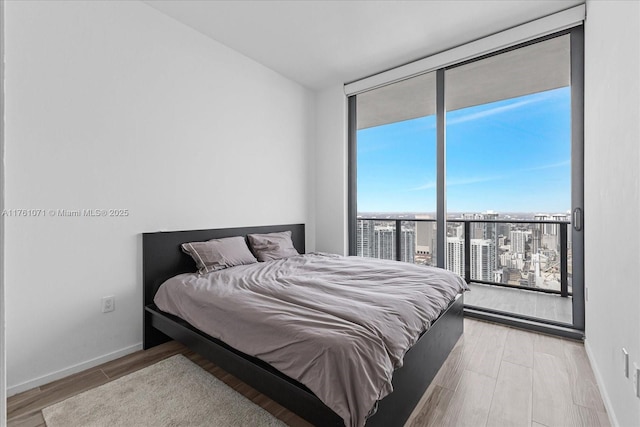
pixel 163 259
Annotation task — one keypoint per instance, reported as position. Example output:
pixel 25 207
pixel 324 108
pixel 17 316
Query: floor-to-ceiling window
pixel 511 178
pixel 396 171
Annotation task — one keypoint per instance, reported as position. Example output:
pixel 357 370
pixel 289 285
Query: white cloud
pixel 476 179
pixel 502 109
pixel 489 112
pixel 455 182
pixel 549 166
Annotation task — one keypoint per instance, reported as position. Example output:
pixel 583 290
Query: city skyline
pixel 510 156
pixel 459 215
pixel 519 254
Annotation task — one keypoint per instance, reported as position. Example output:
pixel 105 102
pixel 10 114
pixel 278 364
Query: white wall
pixel 3 376
pixel 114 105
pixel 612 198
pixel 331 171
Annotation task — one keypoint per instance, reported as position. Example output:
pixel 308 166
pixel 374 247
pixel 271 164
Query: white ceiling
pixel 320 43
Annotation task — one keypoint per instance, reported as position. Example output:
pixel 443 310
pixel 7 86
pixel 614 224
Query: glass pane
pixel 396 168
pixel 509 168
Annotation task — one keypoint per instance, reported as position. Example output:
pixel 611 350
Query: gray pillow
pixel 271 246
pixel 217 254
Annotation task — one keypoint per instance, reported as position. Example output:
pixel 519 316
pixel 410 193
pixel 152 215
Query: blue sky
pixel 507 156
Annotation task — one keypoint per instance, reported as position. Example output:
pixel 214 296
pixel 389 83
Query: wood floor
pixel 495 376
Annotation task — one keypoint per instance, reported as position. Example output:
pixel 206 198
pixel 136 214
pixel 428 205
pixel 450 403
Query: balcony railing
pixel 478 258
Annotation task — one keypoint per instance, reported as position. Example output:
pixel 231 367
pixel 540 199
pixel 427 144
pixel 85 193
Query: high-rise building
pixel 385 242
pixel 550 229
pixel 425 238
pixel 518 241
pixel 490 215
pixel 491 234
pixel 536 240
pixel 455 255
pixel 481 259
pixel 365 238
pixel 476 229
pixel 558 217
pixel 547 229
pixel 408 244
pixel 511 260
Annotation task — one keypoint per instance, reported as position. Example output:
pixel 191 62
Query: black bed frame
pixel 162 259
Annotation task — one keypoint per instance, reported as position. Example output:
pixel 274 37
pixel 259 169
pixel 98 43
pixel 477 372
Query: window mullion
pixel 441 201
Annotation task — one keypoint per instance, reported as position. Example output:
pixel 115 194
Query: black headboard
pixel 162 257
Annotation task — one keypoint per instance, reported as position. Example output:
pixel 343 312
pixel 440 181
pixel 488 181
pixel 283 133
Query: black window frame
pixel 576 331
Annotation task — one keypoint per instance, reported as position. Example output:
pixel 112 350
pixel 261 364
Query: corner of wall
pixel 3 365
pixel 601 385
pixel 331 170
pixel 312 143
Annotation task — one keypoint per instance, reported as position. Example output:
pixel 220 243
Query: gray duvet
pixel 339 325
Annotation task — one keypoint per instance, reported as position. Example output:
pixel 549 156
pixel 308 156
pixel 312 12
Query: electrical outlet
pixel 108 304
pixel 636 379
pixel 625 362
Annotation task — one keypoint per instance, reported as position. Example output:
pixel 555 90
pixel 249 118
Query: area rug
pixel 174 392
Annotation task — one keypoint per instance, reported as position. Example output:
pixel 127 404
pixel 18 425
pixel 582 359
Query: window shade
pixel 540 27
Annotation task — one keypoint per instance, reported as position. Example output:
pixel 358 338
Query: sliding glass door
pixel 511 126
pixel 509 171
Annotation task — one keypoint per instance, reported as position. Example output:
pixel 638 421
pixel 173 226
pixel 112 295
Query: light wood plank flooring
pixel 495 376
pixel 501 376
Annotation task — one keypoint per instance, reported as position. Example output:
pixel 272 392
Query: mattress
pixel 338 325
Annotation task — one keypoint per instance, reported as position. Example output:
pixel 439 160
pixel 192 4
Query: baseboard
pixel 603 391
pixel 54 376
